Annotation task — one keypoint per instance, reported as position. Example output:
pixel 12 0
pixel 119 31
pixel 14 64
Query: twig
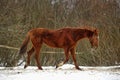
pixel 9 47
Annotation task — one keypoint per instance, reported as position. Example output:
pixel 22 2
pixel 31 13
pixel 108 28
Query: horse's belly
pixel 53 43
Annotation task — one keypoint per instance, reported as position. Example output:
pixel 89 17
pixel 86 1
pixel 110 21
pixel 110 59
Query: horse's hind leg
pixel 37 43
pixel 37 58
pixel 74 58
pixel 29 53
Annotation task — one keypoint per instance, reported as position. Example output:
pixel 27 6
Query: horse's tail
pixel 24 45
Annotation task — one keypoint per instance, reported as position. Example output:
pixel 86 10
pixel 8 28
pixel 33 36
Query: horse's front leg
pixel 74 58
pixel 66 58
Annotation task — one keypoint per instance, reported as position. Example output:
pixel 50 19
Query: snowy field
pixel 66 72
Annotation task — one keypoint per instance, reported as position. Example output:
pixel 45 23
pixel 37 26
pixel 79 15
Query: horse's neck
pixel 80 33
pixel 89 33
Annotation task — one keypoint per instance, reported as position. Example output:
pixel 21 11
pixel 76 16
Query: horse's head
pixel 94 38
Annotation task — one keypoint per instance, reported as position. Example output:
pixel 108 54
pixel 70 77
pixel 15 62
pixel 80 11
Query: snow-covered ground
pixel 66 72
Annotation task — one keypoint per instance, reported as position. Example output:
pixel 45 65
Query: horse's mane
pixel 84 27
pixel 88 28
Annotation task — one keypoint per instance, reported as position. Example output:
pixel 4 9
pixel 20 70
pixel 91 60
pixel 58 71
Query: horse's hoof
pixel 56 66
pixel 40 68
pixel 25 66
pixel 79 68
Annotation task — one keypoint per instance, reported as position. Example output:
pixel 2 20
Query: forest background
pixel 17 17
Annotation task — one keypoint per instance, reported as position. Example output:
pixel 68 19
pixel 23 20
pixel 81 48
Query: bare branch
pixel 8 47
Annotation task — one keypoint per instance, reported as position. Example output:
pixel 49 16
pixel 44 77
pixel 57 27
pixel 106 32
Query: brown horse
pixel 65 38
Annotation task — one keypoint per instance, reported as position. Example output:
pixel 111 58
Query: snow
pixel 66 72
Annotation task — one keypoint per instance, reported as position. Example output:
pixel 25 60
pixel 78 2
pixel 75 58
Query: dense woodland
pixel 17 17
